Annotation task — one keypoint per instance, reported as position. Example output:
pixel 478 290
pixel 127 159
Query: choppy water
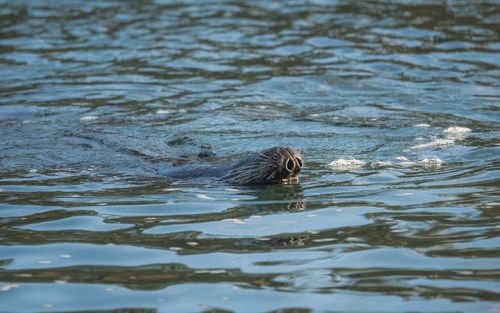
pixel 394 105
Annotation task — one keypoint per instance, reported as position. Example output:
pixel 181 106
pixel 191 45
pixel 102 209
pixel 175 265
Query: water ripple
pixel 394 106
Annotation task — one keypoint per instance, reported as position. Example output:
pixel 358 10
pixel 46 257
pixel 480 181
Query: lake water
pixel 394 105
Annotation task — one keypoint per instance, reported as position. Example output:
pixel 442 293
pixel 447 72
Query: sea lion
pixel 277 165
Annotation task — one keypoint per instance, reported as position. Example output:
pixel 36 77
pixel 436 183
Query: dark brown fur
pixel 272 166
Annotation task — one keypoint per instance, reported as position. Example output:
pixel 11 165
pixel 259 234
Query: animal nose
pixel 298 162
pixel 298 166
pixel 293 165
pixel 289 165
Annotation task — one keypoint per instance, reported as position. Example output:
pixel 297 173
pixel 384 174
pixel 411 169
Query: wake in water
pixel 452 136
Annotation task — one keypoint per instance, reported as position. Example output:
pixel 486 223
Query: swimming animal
pixel 277 165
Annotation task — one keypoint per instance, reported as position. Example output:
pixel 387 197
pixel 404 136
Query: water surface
pixel 393 104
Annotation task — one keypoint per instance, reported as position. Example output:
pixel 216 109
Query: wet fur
pixel 265 167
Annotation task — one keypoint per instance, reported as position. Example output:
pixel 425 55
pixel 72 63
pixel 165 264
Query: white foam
pixel 400 230
pixel 431 162
pixel 436 143
pixel 379 164
pixel 204 197
pixel 422 125
pixel 324 240
pixel 202 271
pixel 89 118
pixel 236 221
pixel 457 130
pixel 349 164
pixel 401 158
pixel 493 204
pixel 407 163
pixel 44 262
pixel 8 287
pixel 404 194
pixel 162 112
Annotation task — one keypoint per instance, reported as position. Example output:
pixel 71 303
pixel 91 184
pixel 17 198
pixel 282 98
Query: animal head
pixel 271 166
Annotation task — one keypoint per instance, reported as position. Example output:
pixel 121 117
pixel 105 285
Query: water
pixel 393 104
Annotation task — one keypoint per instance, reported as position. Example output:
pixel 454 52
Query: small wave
pixel 431 162
pixel 422 125
pixel 89 118
pixel 438 143
pixel 407 163
pixel 379 164
pixel 354 164
pixel 346 164
pixel 456 132
pixel 204 197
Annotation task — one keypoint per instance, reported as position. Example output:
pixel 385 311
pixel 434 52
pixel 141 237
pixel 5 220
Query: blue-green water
pixel 394 105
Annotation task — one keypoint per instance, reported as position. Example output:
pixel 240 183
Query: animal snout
pixel 293 165
pixel 289 165
pixel 298 164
